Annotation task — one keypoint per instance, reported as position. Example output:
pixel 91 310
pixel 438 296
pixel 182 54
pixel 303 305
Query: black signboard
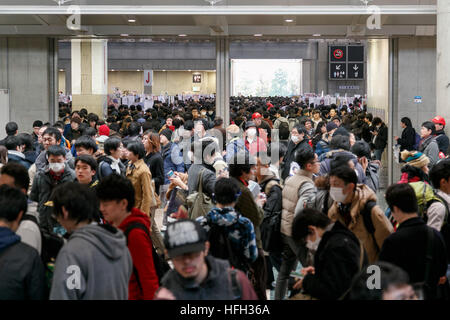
pixel 355 53
pixel 338 71
pixel 355 71
pixel 197 78
pixel 338 53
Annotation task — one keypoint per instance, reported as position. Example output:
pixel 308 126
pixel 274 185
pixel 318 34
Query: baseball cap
pixel 331 126
pixel 438 120
pixel 184 236
pixel 256 115
pixel 250 124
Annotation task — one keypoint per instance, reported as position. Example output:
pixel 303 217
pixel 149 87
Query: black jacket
pixel 408 139
pixel 273 198
pixel 366 135
pixel 442 140
pixel 336 262
pixel 407 248
pixel 155 163
pixel 21 270
pixel 382 137
pixel 290 156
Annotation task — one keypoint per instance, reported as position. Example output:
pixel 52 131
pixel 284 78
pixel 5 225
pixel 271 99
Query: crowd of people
pixel 283 198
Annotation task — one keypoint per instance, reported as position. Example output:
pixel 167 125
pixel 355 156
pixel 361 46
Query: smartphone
pixel 170 174
pixel 297 275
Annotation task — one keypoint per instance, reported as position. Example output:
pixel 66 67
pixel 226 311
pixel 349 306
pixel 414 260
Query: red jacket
pixel 140 246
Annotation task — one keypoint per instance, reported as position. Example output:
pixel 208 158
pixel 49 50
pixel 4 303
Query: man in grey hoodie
pixel 95 263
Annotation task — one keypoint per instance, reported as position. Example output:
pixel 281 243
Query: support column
pixel 90 75
pixel 223 79
pixel 443 62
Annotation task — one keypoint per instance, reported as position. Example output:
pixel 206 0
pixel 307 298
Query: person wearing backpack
pixel 231 236
pixel 414 247
pixel 95 263
pixel 235 143
pixel 198 275
pixel 355 207
pixel 117 199
pixel 21 269
pixel 282 125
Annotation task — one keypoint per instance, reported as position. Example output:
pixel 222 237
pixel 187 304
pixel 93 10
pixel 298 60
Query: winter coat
pixel 408 139
pixel 22 274
pixel 235 146
pixel 355 223
pixel 430 148
pixel 240 230
pixel 141 178
pixel 104 265
pixel 247 206
pixel 155 163
pixel 336 262
pixel 325 165
pixel 105 168
pixel 208 178
pixel 323 201
pixel 28 230
pixel 373 176
pixel 140 247
pixel 43 186
pixel 407 247
pixel 380 142
pixel 290 156
pixel 274 195
pixel 257 145
pixel 298 193
pixel 173 160
pixel 216 286
pixel 19 157
pixel 42 162
pixel 442 141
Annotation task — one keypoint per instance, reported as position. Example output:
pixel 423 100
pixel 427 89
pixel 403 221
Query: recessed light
pixel 124 34
pixel 258 35
pixel 164 70
pixel 113 70
pixel 131 20
pixel 316 35
pixel 138 70
pixel 189 70
pixel 182 35
pixel 289 20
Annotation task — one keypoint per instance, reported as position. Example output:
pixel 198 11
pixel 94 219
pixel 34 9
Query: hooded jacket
pixel 19 157
pixel 442 141
pixel 140 247
pixel 383 228
pixel 21 269
pixel 98 257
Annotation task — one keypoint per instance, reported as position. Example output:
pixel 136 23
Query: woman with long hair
pixel 408 138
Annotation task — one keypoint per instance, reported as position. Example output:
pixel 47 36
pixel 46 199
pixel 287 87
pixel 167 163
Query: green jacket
pixel 247 206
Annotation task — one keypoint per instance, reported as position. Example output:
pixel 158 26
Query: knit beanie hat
pixel 331 126
pixel 415 158
pixel 167 133
pixel 103 130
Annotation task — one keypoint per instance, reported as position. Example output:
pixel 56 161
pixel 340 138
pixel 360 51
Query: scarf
pixel 115 164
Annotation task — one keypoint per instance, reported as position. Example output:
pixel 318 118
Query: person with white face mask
pixel 353 201
pixel 253 142
pixel 338 257
pixel 57 172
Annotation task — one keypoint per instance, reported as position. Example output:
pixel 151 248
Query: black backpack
pixel 270 226
pixel 161 266
pixel 283 131
pixel 220 247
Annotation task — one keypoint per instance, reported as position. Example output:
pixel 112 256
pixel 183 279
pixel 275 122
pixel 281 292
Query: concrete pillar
pixel 223 76
pixel 90 75
pixel 443 62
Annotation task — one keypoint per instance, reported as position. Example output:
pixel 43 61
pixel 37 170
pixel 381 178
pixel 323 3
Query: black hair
pixel 19 173
pixel 37 124
pixel 240 163
pixel 79 200
pixel 92 117
pixel 319 127
pixel 340 142
pixel 391 275
pixel 439 171
pixel 301 129
pixel 278 148
pixel 88 131
pixel 308 217
pixel 369 117
pixel 429 126
pixel 12 202
pixel 361 149
pixel 11 128
pixel 134 129
pixel 87 159
pixel 345 173
pixel 188 125
pixel 376 121
pixel 402 196
pixel 86 142
pixel 56 150
pixel 12 142
pixel 225 191
pixel 208 147
pixel 406 121
pixel 110 144
pixel 53 132
pixel 304 156
pixel 27 140
pixel 340 160
pixel 137 148
pixel 115 187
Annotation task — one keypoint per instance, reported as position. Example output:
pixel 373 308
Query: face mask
pixel 210 112
pixel 295 139
pixel 313 245
pixel 337 194
pixel 203 113
pixel 251 132
pixel 56 167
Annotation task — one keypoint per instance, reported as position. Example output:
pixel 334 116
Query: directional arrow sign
pixel 148 78
pixel 356 71
pixel 355 67
pixel 338 67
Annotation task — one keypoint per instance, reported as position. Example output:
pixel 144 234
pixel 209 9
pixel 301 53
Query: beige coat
pixel 383 228
pixel 141 178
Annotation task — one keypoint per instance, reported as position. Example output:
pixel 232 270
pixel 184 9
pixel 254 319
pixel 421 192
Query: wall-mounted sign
pixel 355 71
pixel 417 99
pixel 197 78
pixel 338 53
pixel 338 71
pixel 348 87
pixel 346 62
pixel 148 78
